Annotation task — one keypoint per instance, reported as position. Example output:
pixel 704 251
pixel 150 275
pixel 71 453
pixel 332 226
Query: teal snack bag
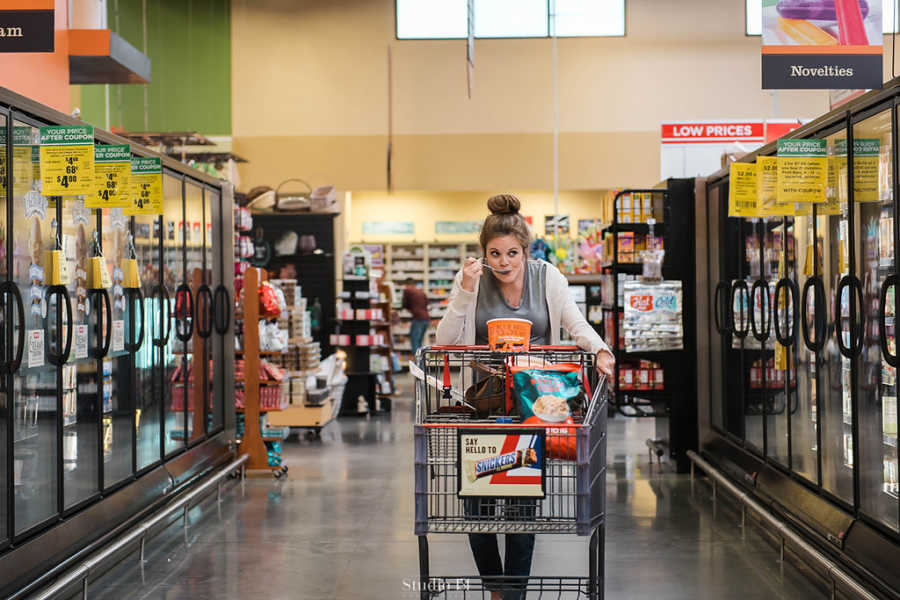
pixel 546 392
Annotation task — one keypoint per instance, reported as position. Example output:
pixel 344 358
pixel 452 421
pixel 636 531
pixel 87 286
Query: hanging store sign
pixel 742 190
pixel 29 29
pixel 388 227
pixel 112 177
pixel 67 160
pixel 822 45
pixel 500 463
pixel 454 227
pixel 801 171
pixel 692 148
pixel 146 187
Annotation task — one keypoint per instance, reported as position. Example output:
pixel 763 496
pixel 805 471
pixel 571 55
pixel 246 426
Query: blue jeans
pixel 519 551
pixel 416 332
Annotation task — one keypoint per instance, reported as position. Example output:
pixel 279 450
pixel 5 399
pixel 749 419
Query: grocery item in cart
pixel 559 441
pixel 547 392
pixel 509 335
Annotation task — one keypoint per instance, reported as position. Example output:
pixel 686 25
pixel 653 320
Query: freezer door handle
pixel 740 288
pixel 855 346
pixel 102 348
pixel 222 306
pixel 205 316
pixel 11 289
pixel 184 312
pixel 135 294
pixel 891 359
pixel 165 315
pixel 762 334
pixel 791 286
pixel 722 325
pixel 53 357
pixel 815 284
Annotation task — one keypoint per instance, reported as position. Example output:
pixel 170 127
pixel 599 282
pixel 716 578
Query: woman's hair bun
pixel 504 204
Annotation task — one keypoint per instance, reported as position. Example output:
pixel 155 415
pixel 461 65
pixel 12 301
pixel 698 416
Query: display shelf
pixel 889 440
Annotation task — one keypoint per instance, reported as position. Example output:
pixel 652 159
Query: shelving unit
pixel 433 265
pixel 674 406
pixel 363 381
pixel 252 442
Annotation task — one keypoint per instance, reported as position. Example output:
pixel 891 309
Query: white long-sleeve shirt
pixel 457 327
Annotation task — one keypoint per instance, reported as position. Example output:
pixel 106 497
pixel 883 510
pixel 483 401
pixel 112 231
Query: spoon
pixel 498 271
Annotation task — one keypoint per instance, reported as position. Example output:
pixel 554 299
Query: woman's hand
pixel 471 271
pixel 606 362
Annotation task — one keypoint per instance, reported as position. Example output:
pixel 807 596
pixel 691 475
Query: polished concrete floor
pixel 340 526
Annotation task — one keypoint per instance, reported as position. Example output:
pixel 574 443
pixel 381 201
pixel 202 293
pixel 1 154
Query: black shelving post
pixel 362 381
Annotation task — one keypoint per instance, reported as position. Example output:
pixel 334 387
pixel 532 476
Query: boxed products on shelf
pixel 653 316
pixel 643 375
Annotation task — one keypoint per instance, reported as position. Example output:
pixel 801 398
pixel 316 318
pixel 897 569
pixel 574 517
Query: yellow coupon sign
pixel 767 187
pixel 801 171
pixel 146 187
pixel 112 177
pixel 742 190
pixel 67 160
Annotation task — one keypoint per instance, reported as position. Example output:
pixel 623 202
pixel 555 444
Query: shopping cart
pixel 568 498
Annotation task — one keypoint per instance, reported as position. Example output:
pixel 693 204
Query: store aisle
pixel 341 527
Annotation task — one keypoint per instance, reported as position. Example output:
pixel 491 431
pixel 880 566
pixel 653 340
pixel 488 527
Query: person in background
pixel 414 301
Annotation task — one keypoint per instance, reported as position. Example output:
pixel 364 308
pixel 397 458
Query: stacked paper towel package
pixel 653 316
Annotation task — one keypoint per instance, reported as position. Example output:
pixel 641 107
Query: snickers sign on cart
pixel 506 463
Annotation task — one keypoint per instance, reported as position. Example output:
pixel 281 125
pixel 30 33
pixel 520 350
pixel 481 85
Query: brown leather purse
pixel 487 394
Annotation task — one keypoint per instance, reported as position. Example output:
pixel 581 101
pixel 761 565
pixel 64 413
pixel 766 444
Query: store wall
pixel 189 45
pixel 424 208
pixel 41 76
pixel 310 91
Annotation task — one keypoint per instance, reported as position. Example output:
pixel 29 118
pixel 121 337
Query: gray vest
pixel 492 305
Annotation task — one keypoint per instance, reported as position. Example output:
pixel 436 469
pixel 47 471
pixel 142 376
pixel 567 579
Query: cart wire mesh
pixel 575 464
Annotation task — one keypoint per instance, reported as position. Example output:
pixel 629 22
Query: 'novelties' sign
pixel 28 29
pixel 822 45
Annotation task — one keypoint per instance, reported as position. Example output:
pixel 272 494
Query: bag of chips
pixel 548 392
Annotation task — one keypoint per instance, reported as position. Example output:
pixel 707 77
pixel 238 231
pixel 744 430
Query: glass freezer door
pixel 80 375
pixel 193 292
pixel 7 318
pixel 798 298
pixel 213 266
pixel 148 233
pixel 876 385
pixel 772 363
pixel 173 359
pixel 35 392
pixel 834 368
pixel 118 377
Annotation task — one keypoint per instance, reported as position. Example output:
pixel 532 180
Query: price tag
pixel 80 342
pixel 118 336
pixel 112 177
pixel 67 160
pixel 742 194
pixel 146 187
pixel 35 341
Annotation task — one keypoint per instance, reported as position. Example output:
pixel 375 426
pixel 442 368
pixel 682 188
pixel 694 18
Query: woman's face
pixel 505 253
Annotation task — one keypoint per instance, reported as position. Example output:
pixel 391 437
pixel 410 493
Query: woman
pixel 521 288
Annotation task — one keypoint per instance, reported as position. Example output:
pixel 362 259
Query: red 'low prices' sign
pixel 685 133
